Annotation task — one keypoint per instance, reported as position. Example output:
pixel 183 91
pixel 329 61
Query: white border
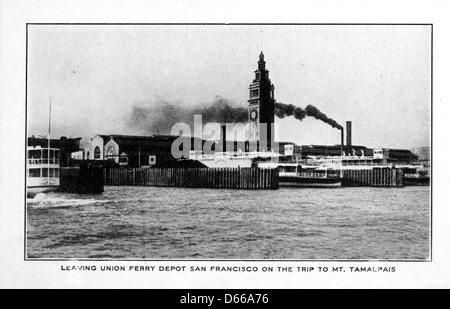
pixel 17 273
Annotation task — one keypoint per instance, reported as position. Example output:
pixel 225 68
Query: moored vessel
pixel 43 170
pixel 296 175
pixel 233 159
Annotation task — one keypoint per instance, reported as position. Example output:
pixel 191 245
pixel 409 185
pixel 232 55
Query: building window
pixel 34 154
pixel 151 160
pixel 54 172
pixel 258 76
pixel 97 153
pixel 253 93
pixel 111 153
pixel 123 159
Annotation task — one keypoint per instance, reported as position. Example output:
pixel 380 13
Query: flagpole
pixel 49 117
pixel 48 143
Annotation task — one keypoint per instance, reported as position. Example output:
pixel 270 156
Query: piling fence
pixel 218 178
pixel 81 179
pixel 92 179
pixel 376 177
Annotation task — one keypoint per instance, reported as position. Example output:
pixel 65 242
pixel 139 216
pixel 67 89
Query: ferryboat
pixel 380 158
pixel 419 176
pixel 237 159
pixel 42 170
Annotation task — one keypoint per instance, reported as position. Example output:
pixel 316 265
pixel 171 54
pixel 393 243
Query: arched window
pixel 97 153
pixel 110 153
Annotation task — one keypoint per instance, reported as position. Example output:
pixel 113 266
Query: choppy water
pixel 184 223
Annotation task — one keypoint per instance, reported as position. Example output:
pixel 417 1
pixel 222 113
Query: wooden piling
pixel 377 177
pixel 220 178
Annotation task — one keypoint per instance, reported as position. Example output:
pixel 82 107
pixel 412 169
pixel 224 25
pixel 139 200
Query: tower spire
pixel 261 62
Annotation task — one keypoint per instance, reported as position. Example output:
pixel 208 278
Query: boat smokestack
pixel 342 141
pixel 349 138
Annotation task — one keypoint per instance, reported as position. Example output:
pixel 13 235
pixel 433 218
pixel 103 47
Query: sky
pixel 377 76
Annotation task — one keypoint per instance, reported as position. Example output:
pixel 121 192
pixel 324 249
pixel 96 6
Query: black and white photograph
pixel 167 150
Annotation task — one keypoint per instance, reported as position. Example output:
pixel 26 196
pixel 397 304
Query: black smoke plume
pixel 221 111
pixel 284 110
pixel 162 115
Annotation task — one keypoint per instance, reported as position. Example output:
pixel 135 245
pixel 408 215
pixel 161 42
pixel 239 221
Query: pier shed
pixel 134 150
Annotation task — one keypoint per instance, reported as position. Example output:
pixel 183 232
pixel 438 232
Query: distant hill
pixel 423 153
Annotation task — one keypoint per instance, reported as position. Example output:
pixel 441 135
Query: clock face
pixel 253 114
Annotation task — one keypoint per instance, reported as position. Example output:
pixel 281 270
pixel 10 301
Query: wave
pixel 43 200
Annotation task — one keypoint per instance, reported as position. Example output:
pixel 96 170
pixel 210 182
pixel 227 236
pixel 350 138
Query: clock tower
pixel 261 109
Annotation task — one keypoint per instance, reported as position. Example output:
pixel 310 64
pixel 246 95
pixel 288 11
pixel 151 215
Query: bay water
pixel 160 223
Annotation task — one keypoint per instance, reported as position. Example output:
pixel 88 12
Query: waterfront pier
pixel 83 179
pixel 91 179
pixel 217 178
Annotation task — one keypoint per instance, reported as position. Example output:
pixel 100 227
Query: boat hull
pixel 293 181
pixel 33 191
pixel 36 185
pixel 227 162
pixel 416 181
